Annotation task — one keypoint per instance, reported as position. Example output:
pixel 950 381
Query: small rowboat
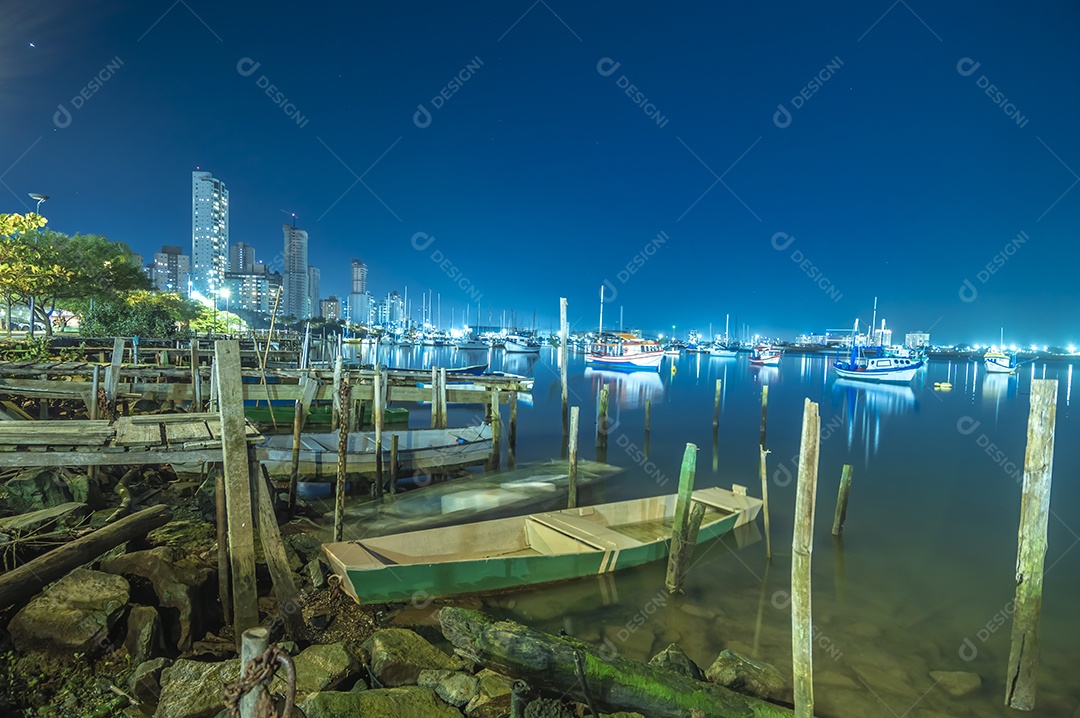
pixel 525 550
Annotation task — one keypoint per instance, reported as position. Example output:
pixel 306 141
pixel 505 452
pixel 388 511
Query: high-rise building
pixel 359 277
pixel 209 232
pixel 241 257
pixel 330 308
pixel 917 340
pixel 297 299
pixel 313 289
pixel 360 307
pixel 391 310
pixel 172 270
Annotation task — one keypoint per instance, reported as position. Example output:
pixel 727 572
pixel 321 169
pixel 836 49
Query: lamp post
pixel 225 293
pixel 215 293
pixel 39 198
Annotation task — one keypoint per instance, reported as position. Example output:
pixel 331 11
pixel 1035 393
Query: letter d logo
pixel 607 67
pixel 968 292
pixel 966 66
pixel 781 118
pixel 61 118
pixel 781 237
pixel 245 66
pixel 421 237
pixel 421 118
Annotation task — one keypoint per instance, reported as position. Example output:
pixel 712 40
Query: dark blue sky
pixel 540 177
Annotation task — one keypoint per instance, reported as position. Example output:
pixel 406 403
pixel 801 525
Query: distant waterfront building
pixel 359 277
pixel 171 270
pixel 241 257
pixel 883 337
pixel 254 290
pixel 360 307
pixel 313 288
pixel 330 308
pixel 209 232
pixel 917 340
pixel 390 310
pixel 297 299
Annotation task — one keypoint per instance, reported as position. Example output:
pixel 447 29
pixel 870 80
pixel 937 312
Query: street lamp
pixel 39 198
pixel 225 293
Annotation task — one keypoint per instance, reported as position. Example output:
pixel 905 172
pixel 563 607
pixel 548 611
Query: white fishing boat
pixel 519 344
pixel 868 363
pixel 419 451
pixel 471 343
pixel 719 350
pixel 765 355
pixel 625 351
pixel 998 362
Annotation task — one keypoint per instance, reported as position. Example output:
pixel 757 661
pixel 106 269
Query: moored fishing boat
pixel 720 350
pixel 765 355
pixel 520 344
pixel 629 352
pixel 998 362
pixel 471 343
pixel 525 550
pixel 419 450
pixel 870 364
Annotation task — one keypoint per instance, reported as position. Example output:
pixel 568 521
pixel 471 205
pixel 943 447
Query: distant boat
pixel 632 352
pixel 998 362
pixel 868 363
pixel 523 551
pixel 518 344
pixel 471 343
pixel 419 450
pixel 720 350
pixel 404 343
pixel 765 355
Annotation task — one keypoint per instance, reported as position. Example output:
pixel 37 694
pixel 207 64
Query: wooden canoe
pixel 525 550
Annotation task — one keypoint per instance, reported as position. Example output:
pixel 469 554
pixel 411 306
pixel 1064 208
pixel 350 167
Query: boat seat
pixel 588 532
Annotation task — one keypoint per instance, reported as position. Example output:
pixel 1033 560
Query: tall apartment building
pixel 209 232
pixel 172 270
pixel 296 301
pixel 359 277
pixel 241 257
pixel 313 289
pixel 330 308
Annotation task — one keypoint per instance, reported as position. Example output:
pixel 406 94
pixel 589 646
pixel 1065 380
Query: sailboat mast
pixel 600 333
pixel 873 323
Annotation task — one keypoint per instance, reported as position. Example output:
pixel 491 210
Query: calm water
pixel 924 577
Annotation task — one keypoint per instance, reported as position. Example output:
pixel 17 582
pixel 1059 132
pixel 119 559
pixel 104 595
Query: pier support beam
pixel 802 545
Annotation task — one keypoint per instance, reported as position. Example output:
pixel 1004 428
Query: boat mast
pixel 873 323
pixel 727 320
pixel 600 333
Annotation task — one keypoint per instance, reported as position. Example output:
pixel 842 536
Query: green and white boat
pixel 525 550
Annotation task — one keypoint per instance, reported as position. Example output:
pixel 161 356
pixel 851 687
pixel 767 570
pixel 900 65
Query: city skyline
pixel 782 165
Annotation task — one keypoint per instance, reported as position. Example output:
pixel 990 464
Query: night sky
pixel 783 163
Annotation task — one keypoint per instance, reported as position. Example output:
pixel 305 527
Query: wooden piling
pixel 342 460
pixel 564 356
pixel 802 545
pixel 294 469
pixel 434 397
pixel 95 384
pixel 237 485
pixel 1031 548
pixel 678 555
pixel 841 501
pixel 222 543
pixel 288 598
pixel 602 419
pixel 511 437
pixel 253 644
pixel 335 411
pixel 496 430
pixel 716 407
pixel 377 417
pixel 765 503
pixel 764 413
pixel 393 463
pixel 572 469
pixel 442 398
pixel 648 418
pixel 112 376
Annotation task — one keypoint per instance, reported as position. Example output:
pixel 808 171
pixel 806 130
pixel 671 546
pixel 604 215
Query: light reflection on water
pixel 927 559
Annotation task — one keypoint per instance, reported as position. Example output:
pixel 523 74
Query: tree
pixel 141 313
pixel 28 267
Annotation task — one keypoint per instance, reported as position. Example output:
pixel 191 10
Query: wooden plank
pixel 25 459
pixel 129 433
pixel 178 433
pixel 288 597
pixel 238 497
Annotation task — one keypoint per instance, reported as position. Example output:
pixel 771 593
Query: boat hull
pixel 994 367
pixel 898 376
pixel 766 361
pixel 649 360
pixel 512 347
pixel 725 353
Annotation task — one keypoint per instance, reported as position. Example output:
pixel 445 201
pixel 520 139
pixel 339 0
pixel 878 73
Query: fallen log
pixel 26 580
pixel 613 683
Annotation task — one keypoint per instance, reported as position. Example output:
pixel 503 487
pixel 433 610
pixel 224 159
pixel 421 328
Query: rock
pixel 454 687
pixel 835 680
pixel 674 659
pixel 179 580
pixel 315 573
pixel 692 609
pixel 398 655
pixel 547 708
pixel 143 633
pixel 191 536
pixel 62 515
pixel 745 675
pixel 957 683
pixel 864 629
pixel 85 491
pixel 405 702
pixel 75 614
pixel 214 647
pixel 145 682
pixel 36 489
pixel 192 689
pixel 492 699
pixel 306 546
pixel 321 668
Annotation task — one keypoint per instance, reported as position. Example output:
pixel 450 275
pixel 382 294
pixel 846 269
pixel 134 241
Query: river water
pixel 923 578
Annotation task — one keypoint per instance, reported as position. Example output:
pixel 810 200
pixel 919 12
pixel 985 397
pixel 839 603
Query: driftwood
pixel 613 683
pixel 31 577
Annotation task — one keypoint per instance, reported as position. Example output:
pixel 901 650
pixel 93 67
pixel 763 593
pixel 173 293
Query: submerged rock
pixel 404 702
pixel 745 675
pixel 397 656
pixel 675 659
pixel 76 614
pixel 957 683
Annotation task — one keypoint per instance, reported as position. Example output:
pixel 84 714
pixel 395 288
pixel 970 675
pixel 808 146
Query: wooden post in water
pixel 648 426
pixel 294 469
pixel 802 545
pixel 434 397
pixel 678 557
pixel 341 398
pixel 393 463
pixel 377 417
pixel 238 499
pixel 602 419
pixel 1031 549
pixel 253 643
pixel 442 398
pixel 572 469
pixel 511 437
pixel 335 415
pixel 496 430
pixel 716 407
pixel 564 356
pixel 764 412
pixel 841 501
pixel 765 503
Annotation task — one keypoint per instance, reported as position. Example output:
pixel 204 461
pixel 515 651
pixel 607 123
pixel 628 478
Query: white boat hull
pixel 725 353
pixel 766 361
pixel 644 360
pixel 512 347
pixel 881 375
pixel 995 368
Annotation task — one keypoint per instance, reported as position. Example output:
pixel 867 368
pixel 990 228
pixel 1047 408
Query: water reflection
pixel 865 404
pixel 627 390
pixel 764 375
